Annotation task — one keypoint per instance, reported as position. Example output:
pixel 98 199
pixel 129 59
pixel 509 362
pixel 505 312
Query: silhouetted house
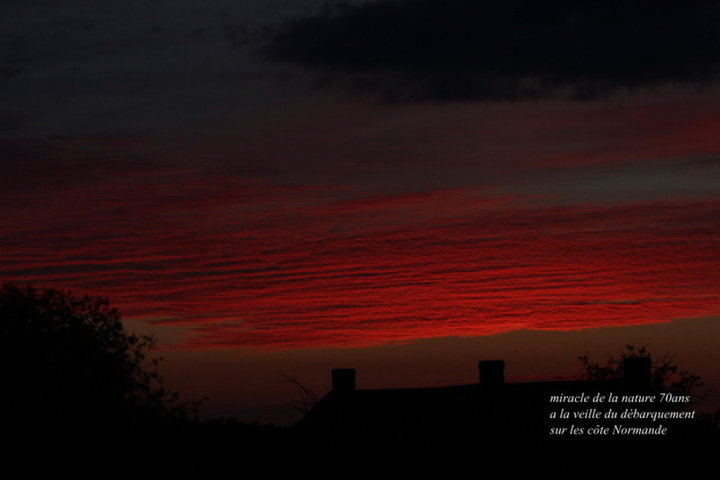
pixel 488 410
pixel 491 422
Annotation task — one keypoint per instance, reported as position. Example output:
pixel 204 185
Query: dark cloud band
pixel 490 49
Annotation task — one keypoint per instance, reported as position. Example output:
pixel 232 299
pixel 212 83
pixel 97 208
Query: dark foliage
pixel 666 374
pixel 82 397
pixel 71 358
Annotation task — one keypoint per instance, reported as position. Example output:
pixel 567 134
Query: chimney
pixel 637 371
pixel 343 380
pixel 492 372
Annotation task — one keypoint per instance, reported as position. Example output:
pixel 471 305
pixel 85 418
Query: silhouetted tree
pixel 666 375
pixel 73 352
pixel 308 399
pixel 74 381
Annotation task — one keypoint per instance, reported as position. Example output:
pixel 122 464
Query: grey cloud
pixel 411 50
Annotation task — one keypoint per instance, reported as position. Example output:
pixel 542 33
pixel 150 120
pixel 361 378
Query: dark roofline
pixel 636 372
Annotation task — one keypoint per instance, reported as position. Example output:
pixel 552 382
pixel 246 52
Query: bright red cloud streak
pixel 258 265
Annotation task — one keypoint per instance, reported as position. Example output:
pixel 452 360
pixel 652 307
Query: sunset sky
pixel 296 209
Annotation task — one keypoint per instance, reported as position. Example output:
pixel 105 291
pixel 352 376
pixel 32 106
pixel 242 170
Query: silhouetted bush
pixel 666 374
pixel 79 391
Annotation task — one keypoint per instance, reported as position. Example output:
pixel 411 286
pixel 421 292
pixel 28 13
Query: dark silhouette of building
pixel 505 427
pixel 489 408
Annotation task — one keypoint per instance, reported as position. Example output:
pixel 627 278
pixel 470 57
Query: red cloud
pixel 260 265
